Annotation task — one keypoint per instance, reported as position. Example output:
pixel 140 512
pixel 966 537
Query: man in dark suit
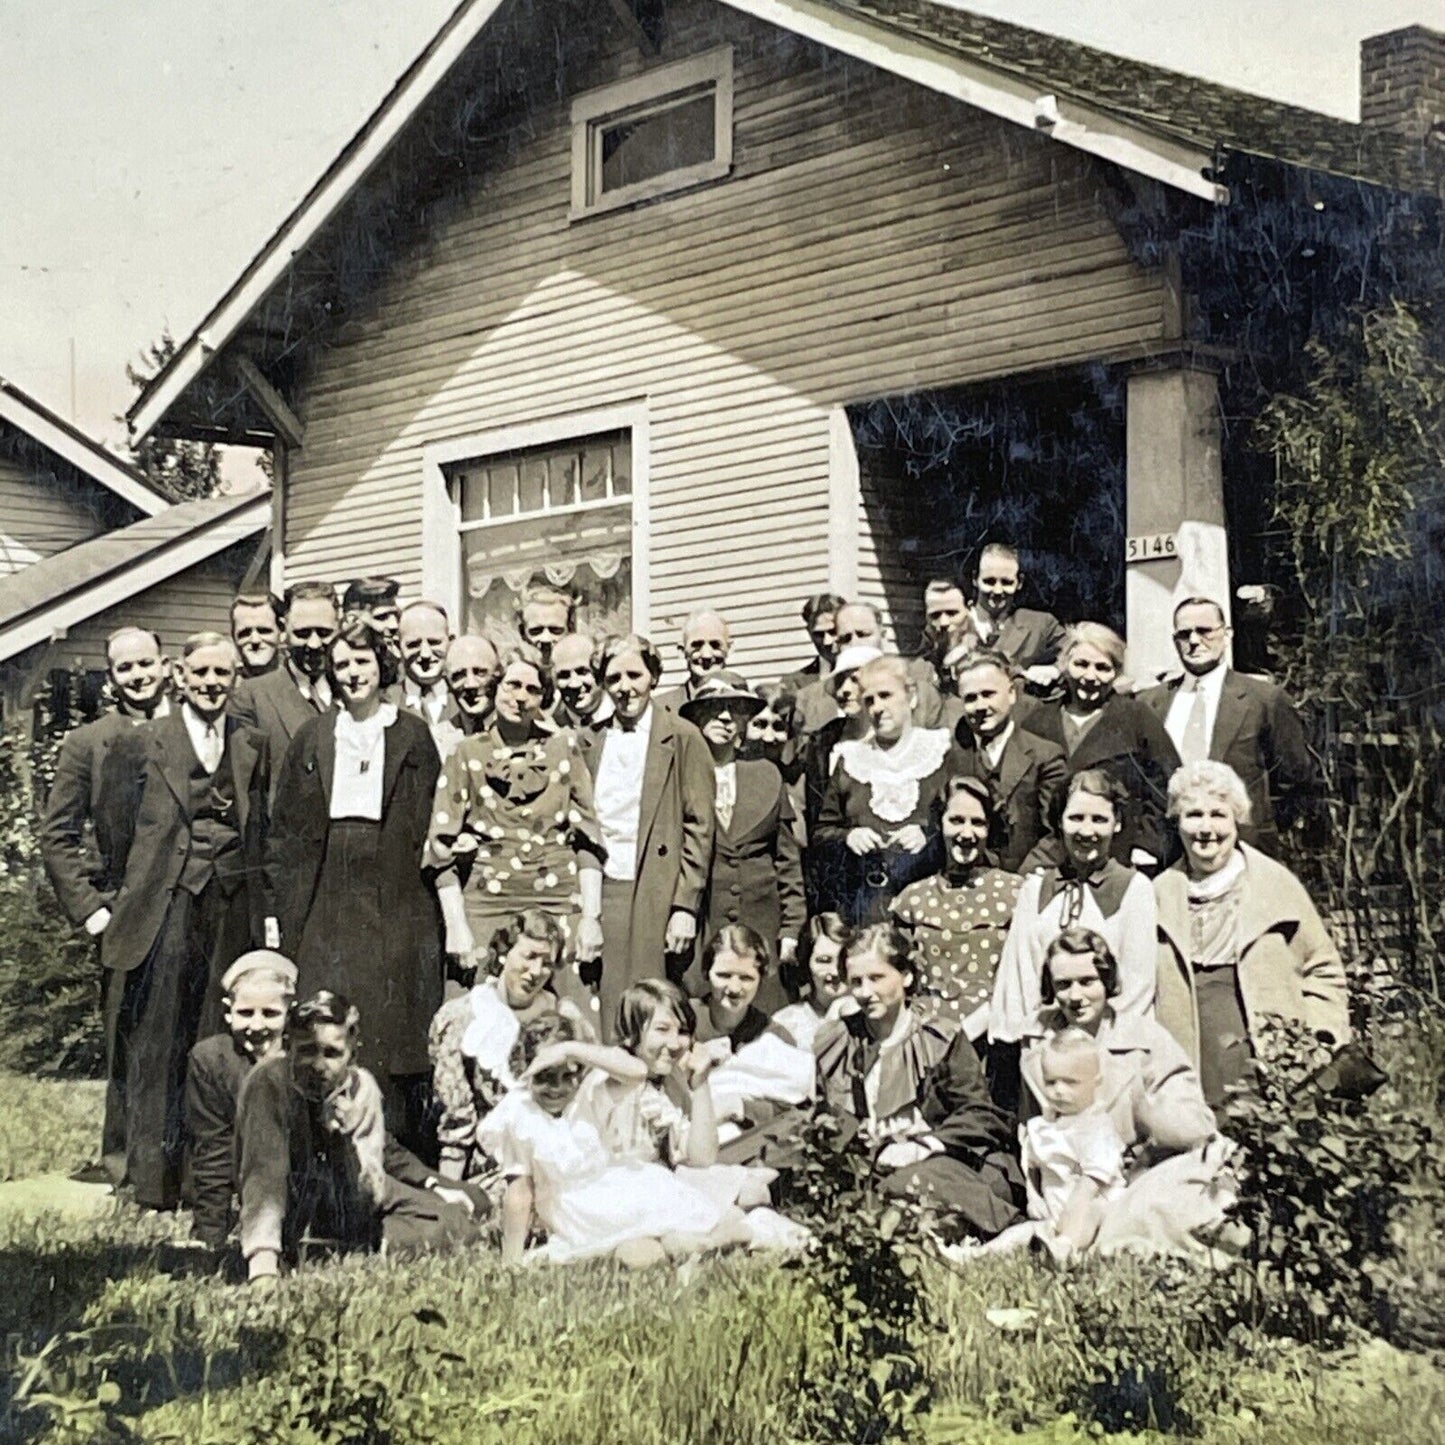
pixel 185 803
pixel 256 631
pixel 424 637
pixel 860 624
pixel 581 698
pixel 1024 772
pixel 279 701
pixel 1029 640
pixel 78 860
pixel 819 613
pixel 706 641
pixel 472 670
pixel 1216 713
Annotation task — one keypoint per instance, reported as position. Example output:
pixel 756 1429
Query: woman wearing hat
pixel 756 876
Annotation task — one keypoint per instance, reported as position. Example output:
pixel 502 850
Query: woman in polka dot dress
pixel 513 825
pixel 958 919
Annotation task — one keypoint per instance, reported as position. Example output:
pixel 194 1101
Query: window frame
pixel 442 525
pixel 634 99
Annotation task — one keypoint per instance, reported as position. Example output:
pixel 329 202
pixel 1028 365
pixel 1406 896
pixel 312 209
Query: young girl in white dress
pixel 591 1200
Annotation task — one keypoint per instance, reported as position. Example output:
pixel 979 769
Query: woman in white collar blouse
pixel 348 827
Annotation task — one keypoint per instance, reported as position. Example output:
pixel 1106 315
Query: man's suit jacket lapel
pixel 242 752
pixel 170 746
pixel 1232 715
pixel 1014 764
pixel 661 755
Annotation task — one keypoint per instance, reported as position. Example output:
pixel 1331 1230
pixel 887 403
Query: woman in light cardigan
pixel 1239 938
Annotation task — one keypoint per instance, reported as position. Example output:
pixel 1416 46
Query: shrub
pixel 1325 1181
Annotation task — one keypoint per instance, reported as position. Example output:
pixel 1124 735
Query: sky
pixel 148 149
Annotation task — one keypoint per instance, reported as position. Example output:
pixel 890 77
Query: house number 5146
pixel 1149 548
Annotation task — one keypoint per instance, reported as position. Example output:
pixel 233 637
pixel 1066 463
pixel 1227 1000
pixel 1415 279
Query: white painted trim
pixel 169 558
pixel 575 509
pixel 441 524
pixel 299 228
pixel 643 95
pixel 82 453
pixel 936 69
pixel 939 69
pixel 845 500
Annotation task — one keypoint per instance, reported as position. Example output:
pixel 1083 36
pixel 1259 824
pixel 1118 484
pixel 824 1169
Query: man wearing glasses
pixel 1229 717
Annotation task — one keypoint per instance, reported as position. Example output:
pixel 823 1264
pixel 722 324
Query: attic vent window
pixel 666 130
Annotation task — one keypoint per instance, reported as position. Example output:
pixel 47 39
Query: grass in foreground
pixel 48 1126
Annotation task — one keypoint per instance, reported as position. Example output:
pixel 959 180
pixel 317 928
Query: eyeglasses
pixel 1186 634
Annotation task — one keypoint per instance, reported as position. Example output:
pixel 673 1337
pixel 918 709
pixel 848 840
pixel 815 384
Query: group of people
pixel 405 935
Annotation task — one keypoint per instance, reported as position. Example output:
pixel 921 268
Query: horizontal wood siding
pixel 196 600
pixel 40 515
pixel 873 238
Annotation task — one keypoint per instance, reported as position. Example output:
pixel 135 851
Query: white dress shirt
pixel 317 693
pixel 1211 684
pixel 993 748
pixel 360 761
pixel 617 795
pixel 430 705
pixel 207 738
pixel 726 798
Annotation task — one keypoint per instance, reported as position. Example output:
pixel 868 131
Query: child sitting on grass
pixel 1073 1157
pixel 315 1160
pixel 590 1201
pixel 256 995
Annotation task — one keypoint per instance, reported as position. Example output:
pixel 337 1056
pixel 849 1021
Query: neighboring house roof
pixel 50 596
pixel 38 422
pixel 1156 122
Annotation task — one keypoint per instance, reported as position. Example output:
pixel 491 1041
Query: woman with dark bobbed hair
pixel 1175 1194
pixel 347 832
pixel 914 1087
pixel 653 788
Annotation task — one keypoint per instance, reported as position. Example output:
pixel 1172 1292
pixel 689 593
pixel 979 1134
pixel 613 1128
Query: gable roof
pixel 56 593
pixel 84 453
pixel 1156 122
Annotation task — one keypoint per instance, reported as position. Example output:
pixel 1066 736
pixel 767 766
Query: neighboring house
pixel 88 546
pixel 604 293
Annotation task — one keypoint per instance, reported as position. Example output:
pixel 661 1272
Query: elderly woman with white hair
pixel 878 828
pixel 1101 728
pixel 1239 938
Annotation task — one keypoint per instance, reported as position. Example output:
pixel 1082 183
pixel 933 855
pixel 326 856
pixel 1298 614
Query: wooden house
pixel 87 545
pixel 640 297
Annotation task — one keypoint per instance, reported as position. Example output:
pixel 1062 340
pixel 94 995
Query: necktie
pixel 211 757
pixel 1195 745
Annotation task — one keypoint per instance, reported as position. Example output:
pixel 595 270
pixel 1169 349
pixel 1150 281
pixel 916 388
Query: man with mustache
pixel 278 702
pixel 184 802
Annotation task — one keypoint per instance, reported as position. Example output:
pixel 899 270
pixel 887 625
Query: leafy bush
pixel 49 976
pixel 1326 1181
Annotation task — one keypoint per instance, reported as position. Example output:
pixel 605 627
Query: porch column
pixel 1175 492
pixel 845 505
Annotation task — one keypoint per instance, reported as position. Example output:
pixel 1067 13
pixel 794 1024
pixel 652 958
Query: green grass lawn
pixel 116 1330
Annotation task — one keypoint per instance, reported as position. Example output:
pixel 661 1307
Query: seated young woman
pixel 760 1066
pixel 815 978
pixel 256 995
pixel 472 1036
pixel 314 1158
pixel 915 1089
pixel 562 1176
pixel 1175 1191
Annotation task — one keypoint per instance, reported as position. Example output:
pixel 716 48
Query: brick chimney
pixel 1402 81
